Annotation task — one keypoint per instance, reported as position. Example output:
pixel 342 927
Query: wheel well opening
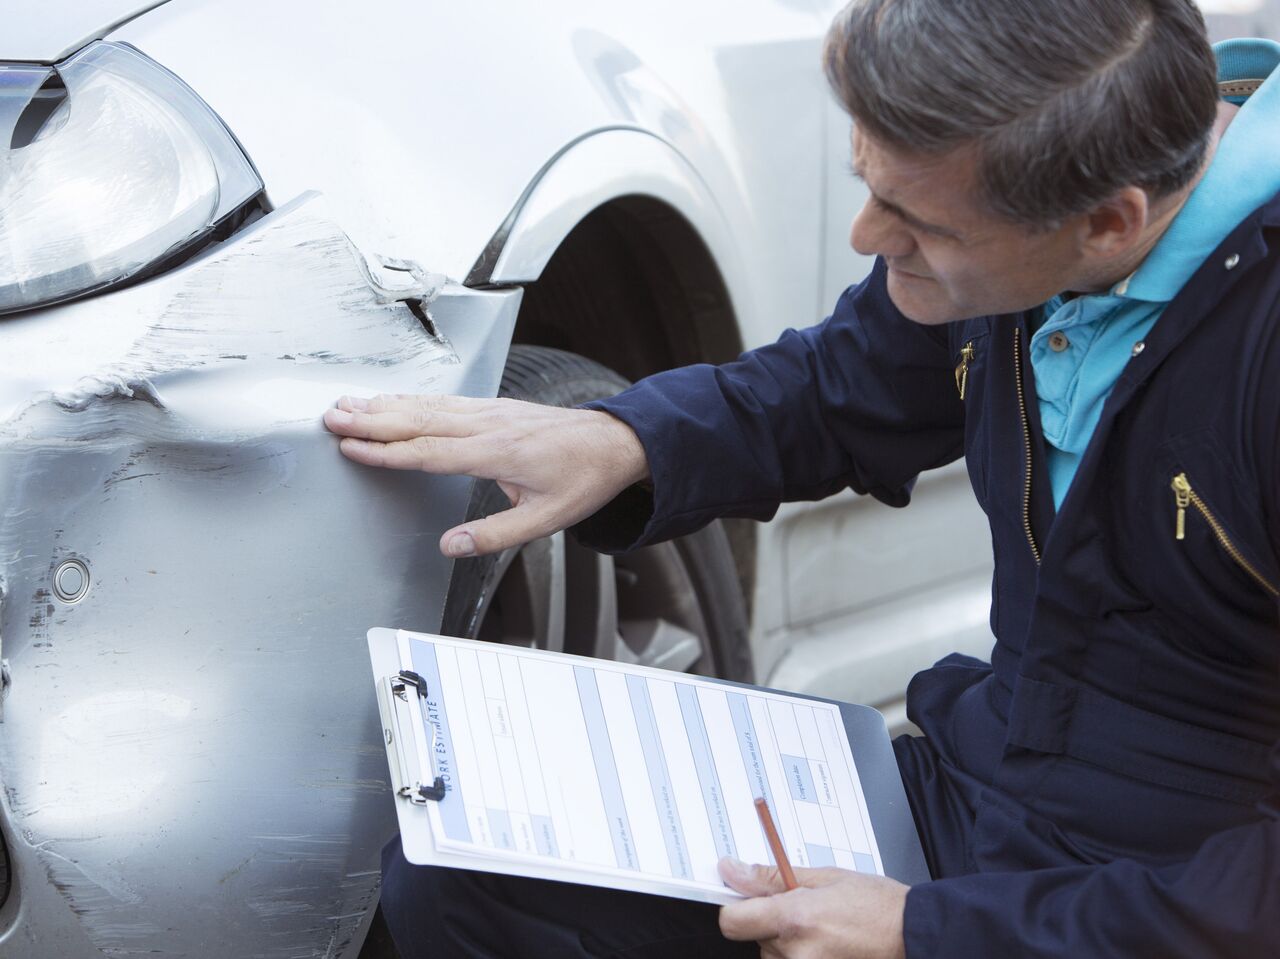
pixel 634 287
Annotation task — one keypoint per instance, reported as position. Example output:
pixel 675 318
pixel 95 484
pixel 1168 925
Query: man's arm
pixel 864 400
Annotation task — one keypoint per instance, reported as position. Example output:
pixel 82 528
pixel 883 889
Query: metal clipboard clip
pixel 400 704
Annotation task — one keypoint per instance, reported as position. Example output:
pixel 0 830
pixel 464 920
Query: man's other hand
pixel 556 465
pixel 835 914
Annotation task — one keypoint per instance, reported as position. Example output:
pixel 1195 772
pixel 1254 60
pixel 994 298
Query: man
pixel 1078 289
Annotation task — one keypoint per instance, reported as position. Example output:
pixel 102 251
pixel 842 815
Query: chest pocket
pixel 1188 500
pixel 1209 533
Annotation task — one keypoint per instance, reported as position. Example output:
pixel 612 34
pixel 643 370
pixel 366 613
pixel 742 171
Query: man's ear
pixel 1114 226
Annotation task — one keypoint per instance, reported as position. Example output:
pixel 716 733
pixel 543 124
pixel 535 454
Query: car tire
pixel 675 605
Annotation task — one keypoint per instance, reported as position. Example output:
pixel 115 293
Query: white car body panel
pixel 453 144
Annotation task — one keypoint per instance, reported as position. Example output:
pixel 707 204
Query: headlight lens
pixel 127 167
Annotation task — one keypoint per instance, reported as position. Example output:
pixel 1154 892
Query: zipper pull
pixel 1182 499
pixel 962 371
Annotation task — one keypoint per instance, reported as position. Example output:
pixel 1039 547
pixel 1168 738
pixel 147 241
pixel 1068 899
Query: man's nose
pixel 877 232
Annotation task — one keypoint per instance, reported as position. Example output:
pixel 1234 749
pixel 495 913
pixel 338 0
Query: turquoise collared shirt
pixel 1084 343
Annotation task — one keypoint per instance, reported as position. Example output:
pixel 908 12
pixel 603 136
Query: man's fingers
pixel 756 919
pixel 557 465
pixel 398 425
pixel 431 454
pixel 770 911
pixel 511 527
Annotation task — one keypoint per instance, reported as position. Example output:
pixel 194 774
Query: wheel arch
pixel 625 258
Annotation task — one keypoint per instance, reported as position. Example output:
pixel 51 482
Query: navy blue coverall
pixel 1109 785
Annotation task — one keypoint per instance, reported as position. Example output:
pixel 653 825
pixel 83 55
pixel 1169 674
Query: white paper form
pixel 633 773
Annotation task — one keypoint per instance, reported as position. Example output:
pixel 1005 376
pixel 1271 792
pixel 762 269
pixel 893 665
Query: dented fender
pixel 189 751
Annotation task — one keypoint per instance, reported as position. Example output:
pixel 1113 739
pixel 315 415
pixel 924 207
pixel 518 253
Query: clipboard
pixel 405 701
pixel 400 707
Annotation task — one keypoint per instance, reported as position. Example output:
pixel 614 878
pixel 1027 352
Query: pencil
pixel 775 844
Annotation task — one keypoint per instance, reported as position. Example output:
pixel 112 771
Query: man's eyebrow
pixel 903 215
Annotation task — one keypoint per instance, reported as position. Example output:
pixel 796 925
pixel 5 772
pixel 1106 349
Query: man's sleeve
pixel 866 400
pixel 1224 902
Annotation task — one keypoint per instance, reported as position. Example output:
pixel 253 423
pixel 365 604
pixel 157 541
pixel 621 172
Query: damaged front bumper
pixel 189 746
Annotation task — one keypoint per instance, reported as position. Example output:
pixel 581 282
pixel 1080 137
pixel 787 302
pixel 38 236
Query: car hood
pixel 49 30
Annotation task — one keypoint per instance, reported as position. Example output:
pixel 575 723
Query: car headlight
pixel 108 163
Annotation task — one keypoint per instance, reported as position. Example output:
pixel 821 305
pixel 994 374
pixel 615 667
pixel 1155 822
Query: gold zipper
pixel 1184 496
pixel 962 371
pixel 1026 441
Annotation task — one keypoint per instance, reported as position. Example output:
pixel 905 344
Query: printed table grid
pixel 632 808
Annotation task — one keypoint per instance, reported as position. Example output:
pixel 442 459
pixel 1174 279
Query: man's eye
pixel 884 207
pixel 897 215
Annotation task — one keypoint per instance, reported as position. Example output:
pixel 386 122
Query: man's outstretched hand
pixel 835 914
pixel 556 465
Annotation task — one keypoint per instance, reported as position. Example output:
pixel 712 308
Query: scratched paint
pixel 190 755
pixel 292 292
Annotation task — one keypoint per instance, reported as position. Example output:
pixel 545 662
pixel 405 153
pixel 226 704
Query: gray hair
pixel 1066 101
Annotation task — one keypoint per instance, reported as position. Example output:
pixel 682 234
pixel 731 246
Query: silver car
pixel 215 219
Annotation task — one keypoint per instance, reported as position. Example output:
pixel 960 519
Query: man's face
pixel 949 258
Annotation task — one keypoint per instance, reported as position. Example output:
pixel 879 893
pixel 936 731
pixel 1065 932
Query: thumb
pixel 751 879
pixel 511 527
pixel 761 880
